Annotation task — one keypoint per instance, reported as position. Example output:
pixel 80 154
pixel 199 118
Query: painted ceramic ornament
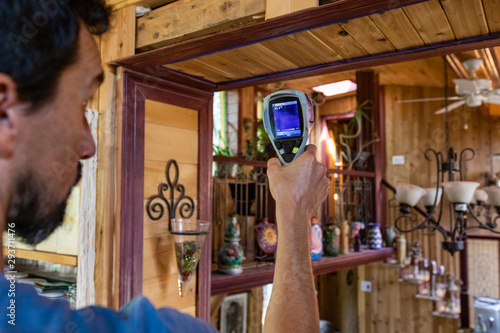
pixel 316 240
pixel 374 236
pixel 355 230
pixel 331 240
pixel 231 252
pixel 267 236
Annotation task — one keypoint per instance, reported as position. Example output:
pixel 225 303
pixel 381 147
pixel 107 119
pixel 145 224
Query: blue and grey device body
pixel 286 122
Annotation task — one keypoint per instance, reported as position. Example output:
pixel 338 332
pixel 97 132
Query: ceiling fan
pixel 471 92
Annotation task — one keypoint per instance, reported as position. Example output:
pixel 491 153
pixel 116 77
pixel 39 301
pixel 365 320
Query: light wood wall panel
pixel 412 128
pixel 171 133
pixel 392 307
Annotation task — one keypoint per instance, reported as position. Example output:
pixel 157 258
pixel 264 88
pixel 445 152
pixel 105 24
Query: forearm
pixel 293 305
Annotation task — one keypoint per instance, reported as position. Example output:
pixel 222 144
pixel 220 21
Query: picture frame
pixel 233 314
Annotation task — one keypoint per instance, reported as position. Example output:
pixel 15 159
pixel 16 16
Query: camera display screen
pixel 286 119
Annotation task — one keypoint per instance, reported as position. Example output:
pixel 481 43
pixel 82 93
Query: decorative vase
pixel 389 235
pixel 316 240
pixel 331 240
pixel 401 249
pixel 231 252
pixel 374 236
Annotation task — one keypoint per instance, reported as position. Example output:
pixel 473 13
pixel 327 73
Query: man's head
pixel 49 68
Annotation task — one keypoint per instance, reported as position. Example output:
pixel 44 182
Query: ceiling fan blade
pixel 465 87
pixel 453 98
pixel 493 99
pixel 483 84
pixel 452 106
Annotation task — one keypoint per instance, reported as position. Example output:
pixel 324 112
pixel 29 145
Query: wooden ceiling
pixel 381 41
pixel 427 72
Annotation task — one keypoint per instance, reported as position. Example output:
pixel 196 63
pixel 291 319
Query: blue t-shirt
pixel 31 312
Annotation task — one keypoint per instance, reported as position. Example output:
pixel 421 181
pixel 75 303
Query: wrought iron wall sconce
pixel 156 204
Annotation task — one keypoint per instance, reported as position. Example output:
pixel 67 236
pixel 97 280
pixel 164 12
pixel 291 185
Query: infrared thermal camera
pixel 288 116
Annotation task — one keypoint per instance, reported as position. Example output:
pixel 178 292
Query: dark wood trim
pixel 311 18
pixel 132 192
pixel 181 91
pixel 255 277
pixel 426 51
pixel 205 207
pixel 240 161
pixel 485 237
pixel 380 161
pixel 368 174
pixel 464 292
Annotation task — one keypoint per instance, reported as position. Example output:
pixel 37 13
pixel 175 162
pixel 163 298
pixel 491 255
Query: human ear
pixel 8 98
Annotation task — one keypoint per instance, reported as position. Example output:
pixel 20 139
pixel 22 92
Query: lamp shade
pixel 460 192
pixel 430 195
pixel 480 196
pixel 408 194
pixel 494 195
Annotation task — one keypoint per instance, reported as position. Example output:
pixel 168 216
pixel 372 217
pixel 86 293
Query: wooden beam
pixel 457 66
pixel 494 64
pixel 168 25
pixel 439 49
pixel 120 4
pixel 276 8
pixel 339 11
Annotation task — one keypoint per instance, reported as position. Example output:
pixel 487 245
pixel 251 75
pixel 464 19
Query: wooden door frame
pixel 179 90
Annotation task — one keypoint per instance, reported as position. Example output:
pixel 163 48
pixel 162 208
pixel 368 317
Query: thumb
pixel 273 163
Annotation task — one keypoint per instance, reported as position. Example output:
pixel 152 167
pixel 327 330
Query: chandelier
pixel 463 196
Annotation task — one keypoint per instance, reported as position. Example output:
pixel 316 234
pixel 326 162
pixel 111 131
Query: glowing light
pixel 336 88
pixel 335 196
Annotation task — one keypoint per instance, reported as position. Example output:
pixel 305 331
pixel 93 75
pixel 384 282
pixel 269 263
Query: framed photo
pixel 233 314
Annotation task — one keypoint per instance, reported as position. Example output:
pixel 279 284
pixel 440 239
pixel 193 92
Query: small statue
pixel 355 230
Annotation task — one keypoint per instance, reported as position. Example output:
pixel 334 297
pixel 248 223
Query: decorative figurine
pixel 344 237
pixel 355 229
pixel 231 252
pixel 331 240
pixel 316 239
pixel 374 236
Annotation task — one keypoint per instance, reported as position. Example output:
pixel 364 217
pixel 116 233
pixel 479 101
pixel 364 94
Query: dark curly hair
pixel 39 39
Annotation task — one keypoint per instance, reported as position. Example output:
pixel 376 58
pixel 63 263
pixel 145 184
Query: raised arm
pixel 298 188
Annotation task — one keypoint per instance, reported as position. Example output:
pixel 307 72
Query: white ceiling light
pixel 336 88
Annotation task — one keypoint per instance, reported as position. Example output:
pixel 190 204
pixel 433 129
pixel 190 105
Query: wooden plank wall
pixel 392 307
pixel 171 133
pixel 412 128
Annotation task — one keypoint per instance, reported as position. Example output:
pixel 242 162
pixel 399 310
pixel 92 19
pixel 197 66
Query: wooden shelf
pixel 240 161
pixel 259 276
pixel 55 258
pixel 70 278
pixel 369 174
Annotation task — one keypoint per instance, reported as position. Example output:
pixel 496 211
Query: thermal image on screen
pixel 286 119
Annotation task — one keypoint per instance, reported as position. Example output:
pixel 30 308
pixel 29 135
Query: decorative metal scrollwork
pixel 157 203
